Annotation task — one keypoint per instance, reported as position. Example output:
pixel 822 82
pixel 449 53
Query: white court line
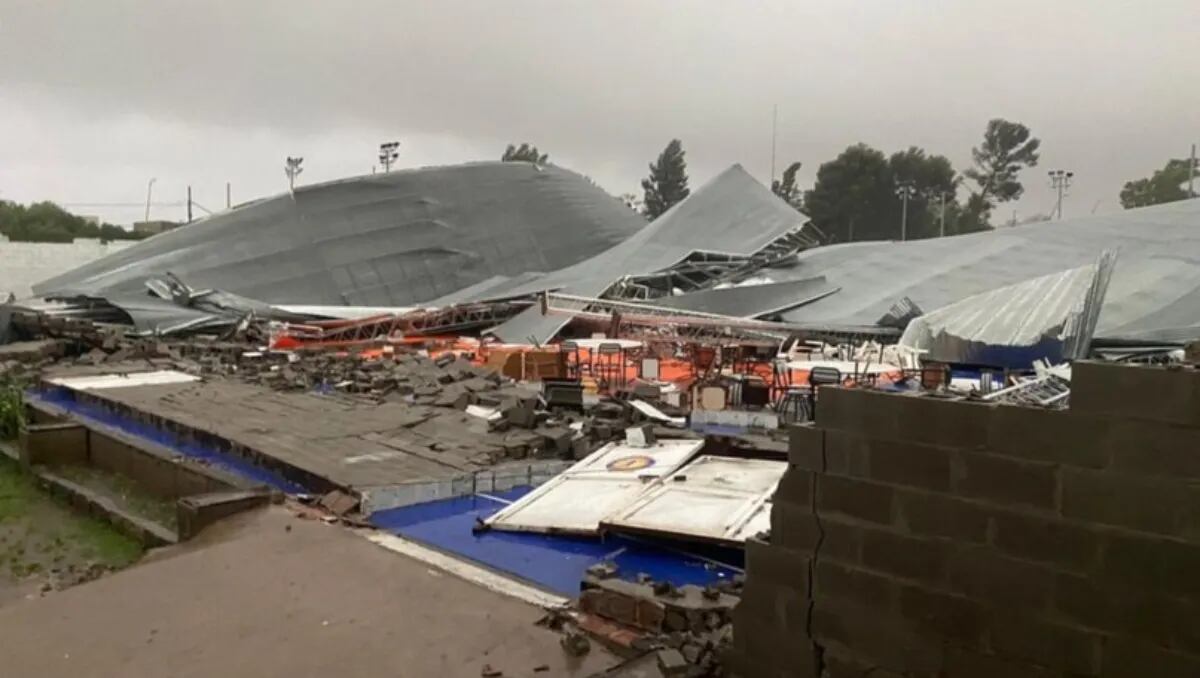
pixel 475 574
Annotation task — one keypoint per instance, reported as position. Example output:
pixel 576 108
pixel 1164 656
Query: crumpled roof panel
pixel 1154 293
pixel 731 214
pixel 393 239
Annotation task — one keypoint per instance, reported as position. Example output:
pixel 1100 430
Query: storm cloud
pixel 97 97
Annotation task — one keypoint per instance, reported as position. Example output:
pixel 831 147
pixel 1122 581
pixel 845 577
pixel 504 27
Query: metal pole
pixel 189 209
pixel 228 201
pixel 774 127
pixel 1192 174
pixel 149 191
pixel 942 216
pixel 904 218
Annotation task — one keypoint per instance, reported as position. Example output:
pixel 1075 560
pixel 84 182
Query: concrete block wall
pixel 917 536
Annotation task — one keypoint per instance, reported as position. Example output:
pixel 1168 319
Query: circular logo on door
pixel 634 463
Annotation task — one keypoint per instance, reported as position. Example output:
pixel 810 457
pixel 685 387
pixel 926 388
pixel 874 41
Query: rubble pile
pixel 687 628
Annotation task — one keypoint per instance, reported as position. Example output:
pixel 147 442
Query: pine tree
pixel 667 183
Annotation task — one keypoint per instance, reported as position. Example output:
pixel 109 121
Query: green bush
pixel 12 407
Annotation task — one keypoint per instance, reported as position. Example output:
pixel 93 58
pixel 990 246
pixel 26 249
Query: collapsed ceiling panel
pixel 393 239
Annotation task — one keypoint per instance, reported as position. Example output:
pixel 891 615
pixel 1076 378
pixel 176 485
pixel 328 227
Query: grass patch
pixel 39 533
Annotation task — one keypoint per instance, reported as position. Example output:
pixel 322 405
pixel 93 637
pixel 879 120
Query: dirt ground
pixel 268 594
pixel 45 545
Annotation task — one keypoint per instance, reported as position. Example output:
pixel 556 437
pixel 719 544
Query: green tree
pixel 786 188
pixel 47 222
pixel 854 197
pixel 933 177
pixel 668 181
pixel 524 153
pixel 1165 185
pixel 1007 148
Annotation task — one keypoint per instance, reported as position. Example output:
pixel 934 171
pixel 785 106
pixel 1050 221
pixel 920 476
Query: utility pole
pixel 388 152
pixel 774 129
pixel 149 192
pixel 228 201
pixel 1061 181
pixel 189 209
pixel 905 190
pixel 1192 174
pixel 293 169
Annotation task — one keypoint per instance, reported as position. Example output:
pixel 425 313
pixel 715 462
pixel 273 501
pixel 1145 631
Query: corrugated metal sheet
pixel 392 239
pixel 1010 326
pixel 1154 294
pixel 731 214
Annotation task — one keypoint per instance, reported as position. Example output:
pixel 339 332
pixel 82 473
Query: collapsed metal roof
pixel 732 215
pixel 1154 295
pixel 393 239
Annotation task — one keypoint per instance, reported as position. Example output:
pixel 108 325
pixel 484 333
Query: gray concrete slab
pixel 269 595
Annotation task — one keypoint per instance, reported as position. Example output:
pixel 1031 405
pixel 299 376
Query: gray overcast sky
pixel 97 96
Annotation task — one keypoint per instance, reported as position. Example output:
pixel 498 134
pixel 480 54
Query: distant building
pixel 154 227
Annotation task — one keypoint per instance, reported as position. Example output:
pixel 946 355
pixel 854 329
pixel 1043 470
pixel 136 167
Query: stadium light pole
pixel 293 169
pixel 1061 181
pixel 388 152
pixel 905 190
pixel 149 192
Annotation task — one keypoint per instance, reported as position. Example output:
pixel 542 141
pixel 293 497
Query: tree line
pixel 47 222
pixel 859 195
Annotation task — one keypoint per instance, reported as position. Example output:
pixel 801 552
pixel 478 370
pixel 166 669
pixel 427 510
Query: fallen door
pixel 576 500
pixel 719 499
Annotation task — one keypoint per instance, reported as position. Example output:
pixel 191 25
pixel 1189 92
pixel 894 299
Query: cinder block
pixel 795 486
pixel 841 540
pixel 767 652
pixel 981 574
pixel 1008 481
pixel 882 640
pixel 1060 436
pixel 776 564
pixel 846 454
pixel 1152 564
pixel 944 422
pixel 806 447
pixel 1046 540
pixel 964 663
pixel 794 526
pixel 841 663
pixel 922 560
pixel 1155 449
pixel 1074 651
pixel 1130 659
pixel 855 498
pixel 928 514
pixel 909 464
pixel 955 618
pixel 783 608
pixel 1136 392
pixel 839 582
pixel 1145 504
pixel 1154 617
pixel 858 410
